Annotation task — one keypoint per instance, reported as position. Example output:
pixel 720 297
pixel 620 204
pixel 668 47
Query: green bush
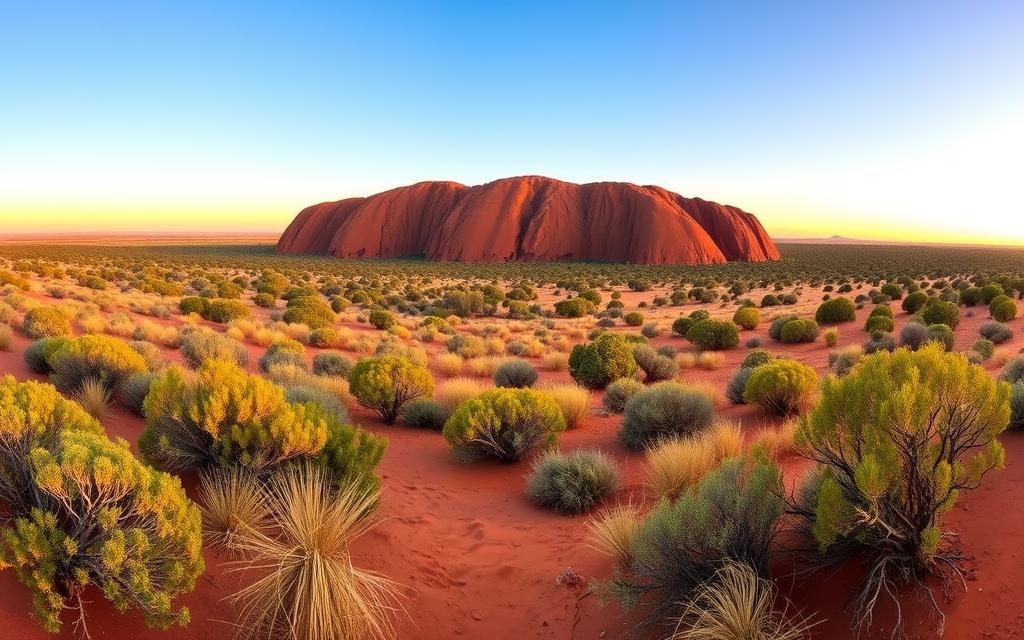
pixel 990 292
pixel 265 300
pixel 656 367
pixel 573 307
pixel 997 332
pixel 897 441
pixel 135 389
pixel 941 312
pixel 1017 407
pixel 892 290
pixel 103 358
pixel 879 323
pixel 914 301
pixel 310 310
pixel 836 310
pixel 985 348
pixel 756 358
pixel 738 385
pixel 331 364
pixel 730 516
pixel 98 517
pixel 608 357
pixel 283 352
pixel 224 311
pixel 941 334
pixel 619 392
pixel 882 310
pixel 747 317
pixel 46 322
pixel 199 346
pixel 224 417
pixel 970 296
pixel 782 387
pixel 775 328
pixel 193 304
pixel 425 414
pixel 387 383
pixel 572 483
pixel 664 410
pixel 515 374
pixel 1013 372
pixel 38 354
pixel 682 324
pixel 712 335
pixel 633 319
pixel 381 319
pixel 799 330
pixel 1004 311
pixel 504 423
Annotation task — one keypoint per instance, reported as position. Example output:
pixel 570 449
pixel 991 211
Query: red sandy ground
pixel 477 560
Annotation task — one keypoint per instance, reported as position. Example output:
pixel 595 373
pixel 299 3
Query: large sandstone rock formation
pixel 530 218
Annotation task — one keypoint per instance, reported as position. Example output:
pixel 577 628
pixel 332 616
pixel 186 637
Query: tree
pixel 896 442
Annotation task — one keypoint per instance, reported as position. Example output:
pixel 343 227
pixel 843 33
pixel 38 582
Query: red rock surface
pixel 531 218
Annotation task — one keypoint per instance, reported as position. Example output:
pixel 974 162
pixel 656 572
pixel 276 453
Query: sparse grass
pixel 450 393
pixel 231 500
pixel 707 389
pixel 725 438
pixel 555 361
pixel 572 399
pixel 737 604
pixel 710 360
pixel 686 359
pixel 307 586
pixel 777 442
pixel 485 366
pixel 612 531
pixel 94 397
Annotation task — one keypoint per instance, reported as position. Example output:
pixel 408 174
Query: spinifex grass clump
pixel 897 440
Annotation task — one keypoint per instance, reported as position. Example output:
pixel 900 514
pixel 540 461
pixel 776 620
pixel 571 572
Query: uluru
pixel 531 218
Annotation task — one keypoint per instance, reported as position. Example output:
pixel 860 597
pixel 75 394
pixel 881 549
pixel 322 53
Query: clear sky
pixel 897 120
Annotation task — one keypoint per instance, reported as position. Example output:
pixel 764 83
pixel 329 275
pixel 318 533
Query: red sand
pixel 531 218
pixel 477 560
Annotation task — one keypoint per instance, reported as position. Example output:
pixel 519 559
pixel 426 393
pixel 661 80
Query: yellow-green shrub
pixel 504 423
pixel 783 387
pixel 104 358
pixel 46 322
pixel 385 384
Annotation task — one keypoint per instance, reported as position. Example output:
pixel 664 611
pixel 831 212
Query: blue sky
pixel 867 120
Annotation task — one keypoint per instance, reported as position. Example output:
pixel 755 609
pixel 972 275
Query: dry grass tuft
pixel 555 361
pixel 571 398
pixel 450 393
pixel 231 500
pixel 777 442
pixel 449 364
pixel 710 360
pixel 94 397
pixel 676 464
pixel 686 359
pixel 738 603
pixel 6 337
pixel 308 588
pixel 612 531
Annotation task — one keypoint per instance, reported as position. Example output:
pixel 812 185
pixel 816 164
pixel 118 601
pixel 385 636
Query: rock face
pixel 530 218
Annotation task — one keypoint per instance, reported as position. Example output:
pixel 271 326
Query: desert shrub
pixel 425 414
pixel 619 392
pixel 37 355
pixel 573 307
pixel 782 387
pixel 913 335
pixel 879 323
pixel 6 337
pixel 747 317
pixel 1017 406
pixel 1004 310
pixel 572 483
pixel 193 304
pixel 385 384
pixel 775 328
pixel 45 322
pixel 504 423
pixel 664 410
pixel 836 310
pixel 985 348
pixel 1014 371
pixel 571 398
pixel 608 357
pixel 941 334
pixel 307 585
pixel 897 441
pixel 738 384
pixel 135 389
pixel 199 346
pixel 769 300
pixel 381 319
pixel 730 516
pixel 324 337
pixel 843 360
pixel 990 292
pixel 880 341
pixel 450 393
pixel 970 296
pixel 126 530
pixel 655 366
pixel 831 337
pixel 712 335
pixel 264 300
pixel 682 324
pixel 914 301
pixel 515 373
pixel 328 399
pixel 516 348
pixel 882 310
pixel 940 312
pixel 466 346
pixel 799 330
pixel 650 330
pixel 283 351
pixel 225 417
pixel 737 603
pixel 997 332
pixel 757 358
pixel 310 310
pixel 102 358
pixel 224 311
pixel 331 364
